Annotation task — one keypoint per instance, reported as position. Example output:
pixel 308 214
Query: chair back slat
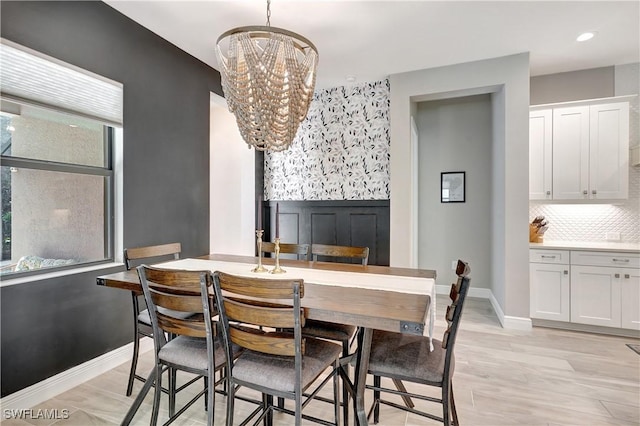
pixel 302 251
pixel 265 316
pixel 176 301
pixel 185 327
pixel 148 252
pixel 266 342
pixel 259 288
pixel 334 251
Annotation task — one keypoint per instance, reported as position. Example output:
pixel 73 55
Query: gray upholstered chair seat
pixel 143 316
pixel 407 357
pixel 328 330
pixel 278 373
pixel 191 352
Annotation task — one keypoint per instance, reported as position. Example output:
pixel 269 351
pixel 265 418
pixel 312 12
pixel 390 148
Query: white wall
pixel 232 202
pixel 455 135
pixel 508 79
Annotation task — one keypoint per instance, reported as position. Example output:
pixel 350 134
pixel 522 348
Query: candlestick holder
pixel 277 269
pixel 259 267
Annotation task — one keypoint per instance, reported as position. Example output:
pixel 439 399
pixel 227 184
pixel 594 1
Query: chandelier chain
pixel 268 13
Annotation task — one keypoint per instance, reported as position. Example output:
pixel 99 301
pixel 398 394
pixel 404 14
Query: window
pixel 57 185
pixel 57 130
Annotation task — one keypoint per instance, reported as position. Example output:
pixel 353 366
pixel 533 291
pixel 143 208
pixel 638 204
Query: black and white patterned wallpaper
pixel 341 151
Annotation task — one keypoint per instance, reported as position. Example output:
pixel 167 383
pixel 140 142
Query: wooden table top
pixel 391 310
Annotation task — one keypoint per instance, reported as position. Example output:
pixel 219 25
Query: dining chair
pixel 344 334
pixel 275 363
pixel 409 358
pixel 195 347
pixel 339 253
pixel 302 251
pixel 141 320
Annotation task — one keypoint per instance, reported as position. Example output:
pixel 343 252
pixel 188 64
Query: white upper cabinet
pixel 609 151
pixel 570 153
pixel 579 151
pixel 540 154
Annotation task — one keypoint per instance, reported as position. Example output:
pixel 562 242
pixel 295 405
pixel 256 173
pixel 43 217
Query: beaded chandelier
pixel 268 77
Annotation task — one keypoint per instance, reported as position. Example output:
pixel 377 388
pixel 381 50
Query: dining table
pixel 370 297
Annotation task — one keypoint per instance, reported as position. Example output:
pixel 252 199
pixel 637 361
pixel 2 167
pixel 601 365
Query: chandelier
pixel 268 76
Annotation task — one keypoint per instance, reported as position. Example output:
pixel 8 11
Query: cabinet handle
pixel 593 191
pixel 548 257
pixel 548 192
pixel 585 192
pixel 626 275
pixel 621 260
pixel 566 272
pixel 617 275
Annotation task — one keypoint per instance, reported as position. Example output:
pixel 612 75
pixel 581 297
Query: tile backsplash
pixel 592 222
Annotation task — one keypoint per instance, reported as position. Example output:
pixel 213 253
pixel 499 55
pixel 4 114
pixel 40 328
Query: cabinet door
pixel 609 151
pixel 595 296
pixel 630 293
pixel 549 291
pixel 571 153
pixel 540 155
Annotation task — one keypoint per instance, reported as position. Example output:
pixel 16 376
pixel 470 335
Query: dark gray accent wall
pixel 339 222
pixel 572 86
pixel 52 325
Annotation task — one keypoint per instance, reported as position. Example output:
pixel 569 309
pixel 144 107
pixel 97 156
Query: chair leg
pixel 454 413
pixel 136 344
pixel 172 391
pixel 211 397
pixel 230 402
pixel 376 400
pixel 156 395
pixel 446 392
pixel 298 409
pixel 336 395
pixel 206 386
pixel 267 403
pixel 345 393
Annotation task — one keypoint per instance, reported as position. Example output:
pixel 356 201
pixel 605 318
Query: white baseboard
pixel 480 293
pixel 510 322
pixel 62 382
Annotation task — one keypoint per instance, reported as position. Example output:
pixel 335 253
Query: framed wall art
pixel 452 187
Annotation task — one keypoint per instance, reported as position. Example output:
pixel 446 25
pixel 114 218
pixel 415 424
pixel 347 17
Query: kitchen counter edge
pixel 589 246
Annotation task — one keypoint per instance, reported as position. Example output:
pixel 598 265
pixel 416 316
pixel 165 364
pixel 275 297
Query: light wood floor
pixel 502 377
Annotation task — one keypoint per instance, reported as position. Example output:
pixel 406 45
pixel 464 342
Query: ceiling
pixel 373 39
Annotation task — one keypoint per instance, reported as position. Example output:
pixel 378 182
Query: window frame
pixel 106 171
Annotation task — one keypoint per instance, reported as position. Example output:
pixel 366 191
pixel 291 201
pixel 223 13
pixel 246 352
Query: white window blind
pixel 32 76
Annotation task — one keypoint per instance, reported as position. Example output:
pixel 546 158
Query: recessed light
pixel 586 36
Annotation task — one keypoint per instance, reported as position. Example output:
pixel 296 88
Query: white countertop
pixel 581 245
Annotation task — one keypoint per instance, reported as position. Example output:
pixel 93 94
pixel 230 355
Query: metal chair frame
pixel 458 295
pixel 142 329
pixel 243 295
pixel 181 291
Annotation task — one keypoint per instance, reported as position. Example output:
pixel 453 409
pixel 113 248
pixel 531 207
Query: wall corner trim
pixel 62 382
pixel 510 322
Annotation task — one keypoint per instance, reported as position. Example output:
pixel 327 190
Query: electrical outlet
pixel 612 236
pixel 453 265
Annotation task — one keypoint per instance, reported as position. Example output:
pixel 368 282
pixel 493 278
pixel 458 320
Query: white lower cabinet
pixel 595 296
pixel 549 296
pixel 586 287
pixel 630 295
